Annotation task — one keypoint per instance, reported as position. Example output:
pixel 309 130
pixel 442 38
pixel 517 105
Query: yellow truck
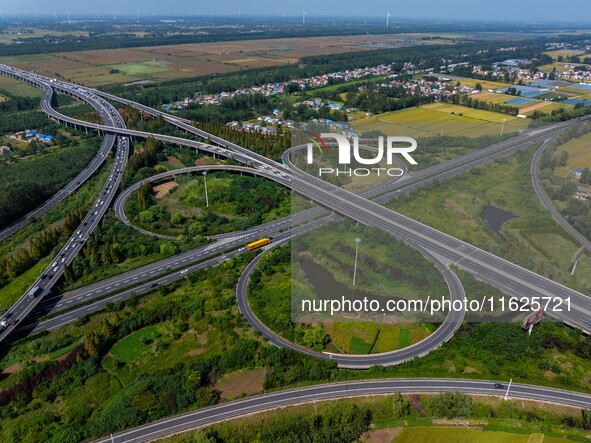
pixel 258 243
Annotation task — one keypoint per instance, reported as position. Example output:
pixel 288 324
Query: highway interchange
pixel 440 248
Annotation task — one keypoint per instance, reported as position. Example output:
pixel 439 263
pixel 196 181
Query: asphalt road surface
pixel 332 391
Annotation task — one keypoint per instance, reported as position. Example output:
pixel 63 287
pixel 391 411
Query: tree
pixel 316 338
pixel 144 196
pixel 585 177
pixel 204 436
pixel 400 407
pixel 91 345
pixel 177 219
pixel 586 418
pixel 167 249
pixel 450 405
pixel 478 87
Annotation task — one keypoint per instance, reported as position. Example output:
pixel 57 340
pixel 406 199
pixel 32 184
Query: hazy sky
pixel 520 10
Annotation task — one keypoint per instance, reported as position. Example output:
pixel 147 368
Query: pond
pixel 495 217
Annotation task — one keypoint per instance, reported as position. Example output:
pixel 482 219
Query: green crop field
pixel 459 435
pixel 486 84
pixel 19 88
pixel 491 97
pixel 579 152
pixel 358 337
pixel 440 119
pixel 139 68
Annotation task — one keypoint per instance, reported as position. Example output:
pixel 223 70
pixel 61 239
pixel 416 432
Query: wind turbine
pixel 69 21
pixel 388 19
pixel 2 14
pixel 54 15
pixel 98 14
pixel 303 17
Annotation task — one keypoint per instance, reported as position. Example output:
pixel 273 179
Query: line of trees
pixel 28 183
pixel 38 246
pixel 466 100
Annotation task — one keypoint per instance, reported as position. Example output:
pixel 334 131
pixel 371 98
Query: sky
pixel 491 10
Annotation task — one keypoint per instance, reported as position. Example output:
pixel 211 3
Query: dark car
pixel 153 285
pixel 15 321
pixel 499 386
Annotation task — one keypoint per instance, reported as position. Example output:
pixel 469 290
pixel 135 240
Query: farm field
pixel 564 53
pixel 579 152
pixel 440 119
pixel 13 34
pixel 524 108
pixel 18 88
pixel 93 68
pixel 366 337
pixel 471 435
pixel 486 84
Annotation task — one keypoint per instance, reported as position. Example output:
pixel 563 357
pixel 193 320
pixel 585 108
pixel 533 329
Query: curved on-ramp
pixel 445 332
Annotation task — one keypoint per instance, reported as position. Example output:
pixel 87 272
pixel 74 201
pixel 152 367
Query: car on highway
pixel 3 324
pixel 499 386
pixel 184 271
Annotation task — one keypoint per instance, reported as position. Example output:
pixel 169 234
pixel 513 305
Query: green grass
pixel 532 239
pixel 139 68
pixel 359 346
pixel 18 286
pixel 18 88
pixel 359 337
pixel 459 435
pixel 62 351
pixel 132 346
pixel 404 339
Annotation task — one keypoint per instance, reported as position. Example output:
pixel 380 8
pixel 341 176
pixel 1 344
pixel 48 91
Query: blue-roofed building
pixel 578 173
pixel 31 133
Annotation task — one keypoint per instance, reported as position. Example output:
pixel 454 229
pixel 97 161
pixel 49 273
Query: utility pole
pixel 205 181
pixel 508 387
pixel 357 241
pixel 503 127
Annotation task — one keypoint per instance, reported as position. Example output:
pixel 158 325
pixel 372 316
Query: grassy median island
pixel 236 202
pixel 532 239
pixel 386 269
